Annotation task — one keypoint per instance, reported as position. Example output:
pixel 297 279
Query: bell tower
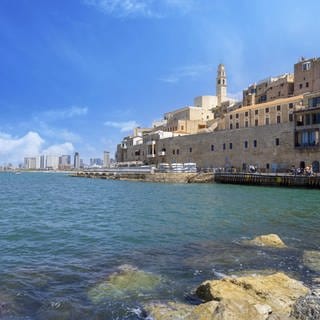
pixel 221 84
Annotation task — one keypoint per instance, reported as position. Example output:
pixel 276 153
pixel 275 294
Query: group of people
pixel 307 171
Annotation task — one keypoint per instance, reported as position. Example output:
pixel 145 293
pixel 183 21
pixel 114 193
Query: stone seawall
pixel 168 177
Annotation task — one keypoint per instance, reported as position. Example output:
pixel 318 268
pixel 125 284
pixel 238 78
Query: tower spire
pixel 221 84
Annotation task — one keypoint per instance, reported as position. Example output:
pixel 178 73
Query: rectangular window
pixel 230 116
pixel 212 147
pixel 237 115
pixel 246 144
pixel 256 122
pixel 255 143
pixel 224 146
pixel 267 110
pixel 178 151
pixel 182 128
pixel 306 66
pixel 277 141
pixel 237 125
pixel 173 151
pixel 230 145
pixel 290 117
pixel 300 86
pixel 246 113
pixel 278 119
pixel 256 111
pixel 267 121
pixel 307 84
pixel 230 126
pixel 190 149
pixel 246 124
pixel 278 108
pixel 290 105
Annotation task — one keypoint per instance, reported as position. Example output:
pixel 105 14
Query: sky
pixel 79 75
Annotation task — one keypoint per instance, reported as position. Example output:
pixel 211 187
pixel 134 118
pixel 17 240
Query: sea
pixel 77 248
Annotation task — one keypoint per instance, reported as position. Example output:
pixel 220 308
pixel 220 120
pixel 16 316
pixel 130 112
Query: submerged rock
pixel 126 282
pixel 312 260
pixel 268 240
pixel 308 307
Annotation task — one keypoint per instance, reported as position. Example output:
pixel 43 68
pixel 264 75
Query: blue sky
pixel 78 75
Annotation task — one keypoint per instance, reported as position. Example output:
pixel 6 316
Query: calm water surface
pixel 60 237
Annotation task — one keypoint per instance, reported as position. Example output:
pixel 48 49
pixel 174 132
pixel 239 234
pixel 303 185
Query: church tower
pixel 221 85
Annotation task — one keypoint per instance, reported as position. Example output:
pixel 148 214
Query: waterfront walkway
pixel 283 180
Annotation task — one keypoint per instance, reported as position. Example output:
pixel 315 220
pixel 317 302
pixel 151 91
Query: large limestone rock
pixel 262 295
pixel 268 240
pixel 245 298
pixel 128 281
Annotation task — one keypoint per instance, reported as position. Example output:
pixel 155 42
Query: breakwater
pixel 168 177
pixel 268 180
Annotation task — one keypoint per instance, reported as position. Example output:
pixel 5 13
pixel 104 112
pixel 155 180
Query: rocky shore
pixel 167 177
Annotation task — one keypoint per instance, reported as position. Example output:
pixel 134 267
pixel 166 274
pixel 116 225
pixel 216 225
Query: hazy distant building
pixel 96 162
pixel 30 163
pixel 76 160
pixel 106 159
pixel 65 162
pixel 52 162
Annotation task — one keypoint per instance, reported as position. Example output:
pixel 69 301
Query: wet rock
pixel 308 307
pixel 126 282
pixel 312 260
pixel 255 297
pixel 268 240
pixel 169 310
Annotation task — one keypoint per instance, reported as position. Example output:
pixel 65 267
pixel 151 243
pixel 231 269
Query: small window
pixel 267 166
pixel 237 115
pixel 256 111
pixel 290 117
pixel 190 150
pixel 246 124
pixel 306 66
pixel 267 121
pixel 278 119
pixel 255 143
pixel 212 147
pixel 267 110
pixel 256 122
pixel 237 125
pixel 277 141
pixel 173 151
pixel 230 116
pixel 230 145
pixel 300 86
pixel 307 84
pixel 178 151
pixel 278 108
pixel 246 113
pixel 290 105
pixel 246 144
pixel 230 126
pixel 224 146
pixel 182 128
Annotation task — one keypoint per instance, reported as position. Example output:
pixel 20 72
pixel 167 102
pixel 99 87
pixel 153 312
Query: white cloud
pixel 144 8
pixel 59 149
pixel 192 71
pixel 65 113
pixel 123 126
pixel 14 149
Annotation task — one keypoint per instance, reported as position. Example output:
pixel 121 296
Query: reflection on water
pixel 63 241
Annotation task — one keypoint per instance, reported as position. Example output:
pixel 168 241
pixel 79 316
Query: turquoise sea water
pixel 60 237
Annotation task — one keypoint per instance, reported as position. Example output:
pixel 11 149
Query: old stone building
pixel 272 133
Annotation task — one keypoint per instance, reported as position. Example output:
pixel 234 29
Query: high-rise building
pixel 30 163
pixel 52 162
pixel 76 160
pixel 106 159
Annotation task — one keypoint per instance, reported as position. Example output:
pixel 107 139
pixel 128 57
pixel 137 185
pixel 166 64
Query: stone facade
pixel 273 136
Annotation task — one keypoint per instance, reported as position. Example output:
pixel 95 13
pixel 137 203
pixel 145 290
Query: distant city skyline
pixel 79 75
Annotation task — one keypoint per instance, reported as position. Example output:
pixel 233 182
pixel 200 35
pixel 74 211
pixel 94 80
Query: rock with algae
pixel 267 240
pixel 128 281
